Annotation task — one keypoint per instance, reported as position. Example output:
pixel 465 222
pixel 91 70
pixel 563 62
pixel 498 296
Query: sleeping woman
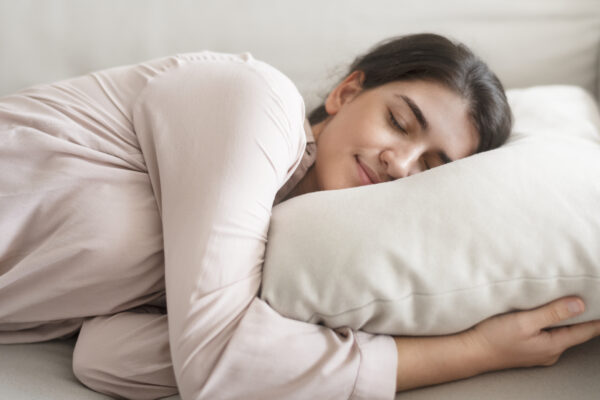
pixel 138 190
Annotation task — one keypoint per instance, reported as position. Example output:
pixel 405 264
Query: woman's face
pixel 389 132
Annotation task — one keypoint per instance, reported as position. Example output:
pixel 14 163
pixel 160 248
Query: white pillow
pixel 437 252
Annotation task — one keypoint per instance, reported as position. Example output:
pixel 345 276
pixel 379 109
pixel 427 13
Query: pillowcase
pixel 438 252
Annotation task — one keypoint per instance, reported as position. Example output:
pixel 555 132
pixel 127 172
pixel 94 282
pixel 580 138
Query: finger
pixel 568 336
pixel 554 312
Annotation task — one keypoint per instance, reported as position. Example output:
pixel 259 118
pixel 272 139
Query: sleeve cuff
pixel 377 372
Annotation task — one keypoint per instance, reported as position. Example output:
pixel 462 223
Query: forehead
pixel 447 114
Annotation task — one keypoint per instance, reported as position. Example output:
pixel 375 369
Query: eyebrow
pixel 422 121
pixel 415 110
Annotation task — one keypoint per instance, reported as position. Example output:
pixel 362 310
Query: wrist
pixel 424 361
pixel 477 352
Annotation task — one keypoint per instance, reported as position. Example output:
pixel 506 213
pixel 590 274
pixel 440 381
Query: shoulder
pixel 242 62
pixel 248 76
pixel 205 77
pixel 213 89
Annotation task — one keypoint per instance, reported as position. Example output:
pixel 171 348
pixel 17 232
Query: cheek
pixel 352 121
pixel 369 130
pixel 335 171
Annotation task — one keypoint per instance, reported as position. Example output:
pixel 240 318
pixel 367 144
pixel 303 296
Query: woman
pixel 169 169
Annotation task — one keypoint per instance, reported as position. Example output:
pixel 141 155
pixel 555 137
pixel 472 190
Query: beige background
pixel 527 42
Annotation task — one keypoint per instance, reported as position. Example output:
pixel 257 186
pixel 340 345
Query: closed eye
pixel 396 125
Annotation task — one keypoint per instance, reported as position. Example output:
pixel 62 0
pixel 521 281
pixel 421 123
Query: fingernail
pixel 575 307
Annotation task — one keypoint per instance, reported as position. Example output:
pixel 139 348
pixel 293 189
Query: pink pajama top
pixel 127 183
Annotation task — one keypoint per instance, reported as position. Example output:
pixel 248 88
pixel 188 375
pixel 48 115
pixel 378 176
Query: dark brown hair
pixel 432 57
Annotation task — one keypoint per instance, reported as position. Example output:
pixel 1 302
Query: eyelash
pixel 396 124
pixel 401 129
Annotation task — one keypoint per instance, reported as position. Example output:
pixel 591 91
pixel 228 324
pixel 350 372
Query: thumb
pixel 556 311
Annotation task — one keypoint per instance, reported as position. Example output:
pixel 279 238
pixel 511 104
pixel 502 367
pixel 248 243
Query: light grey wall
pixel 527 42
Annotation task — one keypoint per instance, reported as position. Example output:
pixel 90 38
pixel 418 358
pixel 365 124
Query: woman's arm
pixel 519 339
pixel 220 135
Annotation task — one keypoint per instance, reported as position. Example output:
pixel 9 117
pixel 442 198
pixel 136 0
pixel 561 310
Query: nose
pixel 403 161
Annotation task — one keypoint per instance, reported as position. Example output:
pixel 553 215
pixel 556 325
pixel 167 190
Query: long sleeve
pixel 220 134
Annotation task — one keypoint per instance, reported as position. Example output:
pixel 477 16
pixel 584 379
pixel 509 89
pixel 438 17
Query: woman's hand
pixel 517 339
pixel 524 339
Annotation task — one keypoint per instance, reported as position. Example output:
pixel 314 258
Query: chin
pixel 338 179
pixel 334 185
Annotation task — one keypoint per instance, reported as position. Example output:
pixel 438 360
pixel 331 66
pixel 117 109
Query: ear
pixel 343 93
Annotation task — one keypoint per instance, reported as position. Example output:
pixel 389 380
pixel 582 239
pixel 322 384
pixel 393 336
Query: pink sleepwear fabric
pixel 136 188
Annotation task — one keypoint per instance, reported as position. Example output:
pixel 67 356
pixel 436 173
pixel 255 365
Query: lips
pixel 366 174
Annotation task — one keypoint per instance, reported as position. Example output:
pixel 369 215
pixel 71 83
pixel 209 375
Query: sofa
pixel 527 43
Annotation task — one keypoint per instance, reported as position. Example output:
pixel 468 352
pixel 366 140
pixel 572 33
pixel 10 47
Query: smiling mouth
pixel 362 173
